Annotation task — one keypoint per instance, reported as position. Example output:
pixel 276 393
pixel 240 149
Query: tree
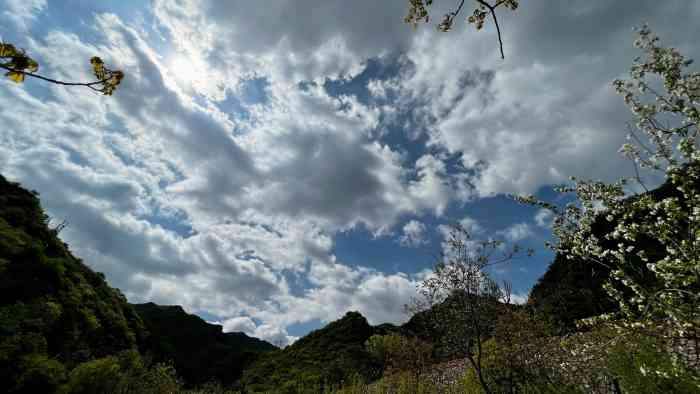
pixel 652 242
pixel 418 12
pixel 19 66
pixel 460 299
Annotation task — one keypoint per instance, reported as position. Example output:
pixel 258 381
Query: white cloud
pixel 431 189
pixel 240 38
pixel 523 122
pixel 413 234
pixel 543 217
pixel 376 88
pixel 239 324
pixel 471 225
pixel 520 299
pixel 277 336
pixel 22 12
pixel 516 232
pixel 338 288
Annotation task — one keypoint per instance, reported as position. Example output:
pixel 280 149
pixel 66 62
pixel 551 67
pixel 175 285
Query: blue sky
pixel 270 167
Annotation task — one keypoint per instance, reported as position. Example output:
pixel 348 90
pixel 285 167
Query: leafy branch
pixel 19 66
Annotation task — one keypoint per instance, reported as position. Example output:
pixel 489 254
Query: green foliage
pixel 403 382
pixel 642 365
pixel 39 373
pixel 398 352
pixel 18 63
pixel 633 361
pixel 109 79
pixel 123 373
pixel 55 312
pixel 466 382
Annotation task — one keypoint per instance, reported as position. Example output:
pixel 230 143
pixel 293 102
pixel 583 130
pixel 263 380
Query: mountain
pixel 324 357
pixel 200 351
pixel 440 324
pixel 55 312
pixel 571 290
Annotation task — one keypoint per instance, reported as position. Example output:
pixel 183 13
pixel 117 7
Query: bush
pixel 642 364
pixel 397 352
pixel 40 374
pixel 125 373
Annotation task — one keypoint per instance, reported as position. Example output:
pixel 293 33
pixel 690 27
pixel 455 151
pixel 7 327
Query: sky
pixel 272 165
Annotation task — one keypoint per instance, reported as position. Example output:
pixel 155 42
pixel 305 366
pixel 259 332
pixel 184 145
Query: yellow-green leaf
pixel 16 76
pixel 8 50
pixel 98 67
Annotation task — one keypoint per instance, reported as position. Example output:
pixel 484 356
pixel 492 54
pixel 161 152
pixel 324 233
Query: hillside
pixel 200 351
pixel 325 356
pixel 55 312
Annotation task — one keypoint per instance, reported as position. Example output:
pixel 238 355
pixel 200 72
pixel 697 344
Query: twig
pixel 461 4
pixel 492 9
pixel 87 84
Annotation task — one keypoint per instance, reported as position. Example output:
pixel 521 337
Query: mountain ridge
pixel 200 351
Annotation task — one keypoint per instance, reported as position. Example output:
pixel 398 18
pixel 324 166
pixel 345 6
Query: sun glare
pixel 183 69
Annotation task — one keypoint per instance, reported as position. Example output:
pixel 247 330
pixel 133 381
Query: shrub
pixel 125 373
pixel 397 352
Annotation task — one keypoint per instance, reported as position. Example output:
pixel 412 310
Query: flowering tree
pixel 651 241
pixel 418 12
pixel 19 66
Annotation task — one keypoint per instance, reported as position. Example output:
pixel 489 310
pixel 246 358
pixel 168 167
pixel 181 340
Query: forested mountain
pixel 201 351
pixel 55 312
pixel 323 357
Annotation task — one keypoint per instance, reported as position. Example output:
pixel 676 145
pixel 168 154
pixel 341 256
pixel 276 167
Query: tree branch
pixel 457 11
pixel 87 84
pixel 492 10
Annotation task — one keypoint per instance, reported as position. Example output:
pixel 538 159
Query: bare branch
pixel 492 10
